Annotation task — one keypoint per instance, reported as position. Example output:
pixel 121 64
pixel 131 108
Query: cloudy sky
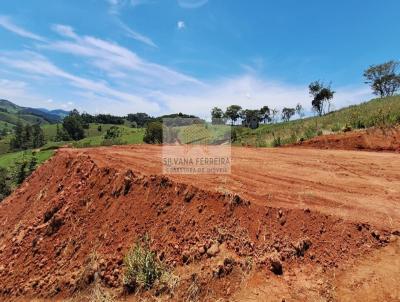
pixel 165 56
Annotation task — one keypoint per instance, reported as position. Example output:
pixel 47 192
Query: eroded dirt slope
pixel 227 231
pixel 372 139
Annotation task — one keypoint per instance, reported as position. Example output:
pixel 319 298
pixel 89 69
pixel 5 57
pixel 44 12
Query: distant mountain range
pixel 11 113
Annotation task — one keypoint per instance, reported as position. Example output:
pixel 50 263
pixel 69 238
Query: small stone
pixel 375 234
pixel 201 250
pixel 213 250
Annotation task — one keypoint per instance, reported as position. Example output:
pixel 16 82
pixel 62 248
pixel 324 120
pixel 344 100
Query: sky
pixel 168 56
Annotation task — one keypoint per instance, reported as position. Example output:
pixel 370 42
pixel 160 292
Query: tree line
pixel 27 137
pixel 321 104
pixel 263 115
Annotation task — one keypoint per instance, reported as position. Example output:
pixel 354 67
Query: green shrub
pixel 153 133
pixel 20 171
pixel 142 269
pixel 113 133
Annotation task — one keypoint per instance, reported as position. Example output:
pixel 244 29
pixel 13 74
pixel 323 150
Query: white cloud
pixel 6 23
pixel 115 59
pixel 181 25
pixel 37 64
pixel 191 3
pixel 64 30
pixel 137 36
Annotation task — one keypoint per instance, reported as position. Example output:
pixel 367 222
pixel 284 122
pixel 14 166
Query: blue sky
pixel 164 56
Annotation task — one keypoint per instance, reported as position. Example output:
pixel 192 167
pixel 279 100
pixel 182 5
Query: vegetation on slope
pixel 15 167
pixel 375 113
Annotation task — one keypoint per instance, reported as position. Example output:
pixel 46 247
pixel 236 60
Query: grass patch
pixel 128 136
pixel 8 160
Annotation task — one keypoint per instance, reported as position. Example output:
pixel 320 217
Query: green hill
pixel 94 135
pixel 377 112
pixel 11 113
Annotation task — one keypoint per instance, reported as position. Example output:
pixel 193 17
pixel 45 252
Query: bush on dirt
pixel 143 270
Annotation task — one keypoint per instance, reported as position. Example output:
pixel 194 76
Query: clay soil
pixel 329 218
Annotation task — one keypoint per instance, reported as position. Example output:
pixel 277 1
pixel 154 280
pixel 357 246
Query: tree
pixel 265 114
pixel 287 113
pixel 251 118
pixel 113 133
pixel 299 110
pixel 73 125
pixel 322 96
pixel 232 113
pixel 32 164
pixel 20 171
pixel 5 188
pixel 153 133
pixel 17 141
pixel 61 134
pixel 217 116
pixel 27 137
pixel 384 79
pixel 37 136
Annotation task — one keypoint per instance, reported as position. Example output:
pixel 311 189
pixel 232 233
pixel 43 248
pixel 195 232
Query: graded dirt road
pixel 357 186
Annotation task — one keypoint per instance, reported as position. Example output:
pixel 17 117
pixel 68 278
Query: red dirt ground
pixel 342 205
pixel 372 139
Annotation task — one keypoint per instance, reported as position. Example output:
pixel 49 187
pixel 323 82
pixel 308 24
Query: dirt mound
pixel 71 210
pixel 373 139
